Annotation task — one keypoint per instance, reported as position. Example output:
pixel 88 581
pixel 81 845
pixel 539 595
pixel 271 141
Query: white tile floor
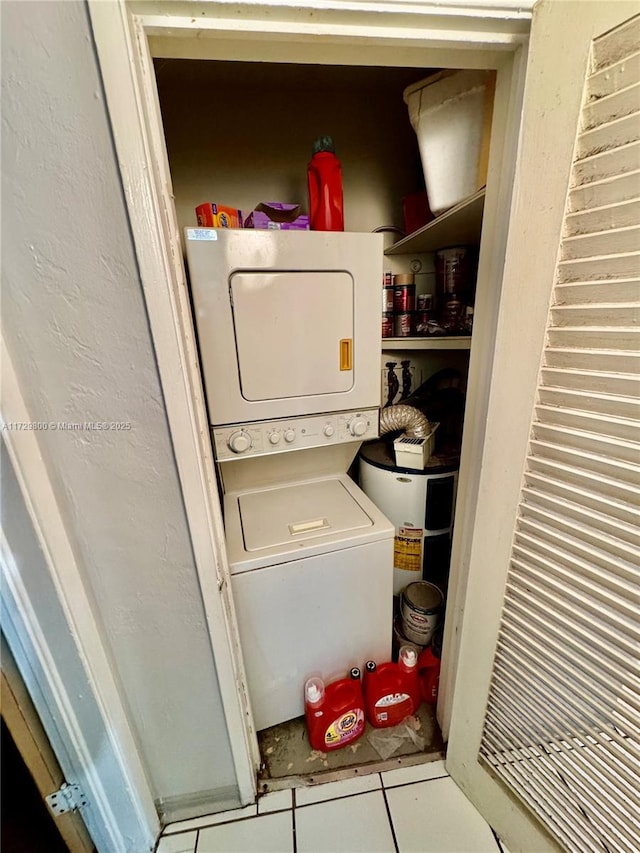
pixel 415 809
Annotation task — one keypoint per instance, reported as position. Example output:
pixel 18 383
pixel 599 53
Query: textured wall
pixel 74 318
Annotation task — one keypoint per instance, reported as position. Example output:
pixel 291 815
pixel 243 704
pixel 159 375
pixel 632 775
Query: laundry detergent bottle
pixel 324 177
pixel 391 690
pixel 334 713
pixel 429 675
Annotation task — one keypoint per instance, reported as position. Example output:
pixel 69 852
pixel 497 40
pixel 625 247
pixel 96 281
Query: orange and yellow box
pixel 212 215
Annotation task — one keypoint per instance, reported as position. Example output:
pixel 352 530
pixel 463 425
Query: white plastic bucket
pixel 451 115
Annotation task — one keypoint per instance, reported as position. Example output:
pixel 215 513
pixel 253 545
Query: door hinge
pixel 68 798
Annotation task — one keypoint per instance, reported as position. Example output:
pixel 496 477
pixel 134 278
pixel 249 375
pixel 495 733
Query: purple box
pixel 273 215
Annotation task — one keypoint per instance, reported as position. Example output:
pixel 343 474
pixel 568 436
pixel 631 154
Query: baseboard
pixel 186 806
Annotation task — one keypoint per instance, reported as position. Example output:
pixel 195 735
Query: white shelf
pixel 433 343
pixel 459 226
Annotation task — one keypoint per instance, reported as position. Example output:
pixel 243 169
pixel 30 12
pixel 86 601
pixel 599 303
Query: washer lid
pixel 298 512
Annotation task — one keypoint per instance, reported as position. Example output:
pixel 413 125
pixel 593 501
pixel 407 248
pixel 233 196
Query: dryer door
pixel 293 333
pixel 288 322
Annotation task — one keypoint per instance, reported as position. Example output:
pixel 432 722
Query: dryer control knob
pixel 274 437
pixel 290 435
pixel 239 441
pixel 358 427
pixel 328 430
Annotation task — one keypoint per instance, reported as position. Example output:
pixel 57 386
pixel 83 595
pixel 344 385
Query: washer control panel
pixel 259 439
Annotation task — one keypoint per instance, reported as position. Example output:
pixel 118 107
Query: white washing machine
pixel 312 584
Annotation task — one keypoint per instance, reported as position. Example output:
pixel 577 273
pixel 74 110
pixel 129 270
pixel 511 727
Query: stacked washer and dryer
pixel 289 333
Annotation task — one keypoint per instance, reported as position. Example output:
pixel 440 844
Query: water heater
pixel 420 504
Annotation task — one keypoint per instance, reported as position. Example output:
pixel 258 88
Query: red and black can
pixel 422 322
pixel 404 294
pixel 424 302
pixel 403 324
pixel 387 324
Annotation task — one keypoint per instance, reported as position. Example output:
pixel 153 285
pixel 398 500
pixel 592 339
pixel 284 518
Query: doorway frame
pixel 127 36
pixel 26 730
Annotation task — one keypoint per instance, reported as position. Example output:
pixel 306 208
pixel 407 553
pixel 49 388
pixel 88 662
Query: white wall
pixel 74 318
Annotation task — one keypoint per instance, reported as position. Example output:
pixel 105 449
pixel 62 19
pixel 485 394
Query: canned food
pixel 387 324
pixel 404 278
pixel 468 319
pixel 403 325
pixel 404 298
pixel 387 297
pixel 422 322
pixel 451 316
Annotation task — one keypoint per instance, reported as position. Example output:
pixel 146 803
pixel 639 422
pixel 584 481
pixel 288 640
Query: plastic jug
pixel 334 713
pixel 391 690
pixel 429 675
pixel 324 177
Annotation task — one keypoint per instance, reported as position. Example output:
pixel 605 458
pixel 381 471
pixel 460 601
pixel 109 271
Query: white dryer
pixel 288 322
pixel 312 585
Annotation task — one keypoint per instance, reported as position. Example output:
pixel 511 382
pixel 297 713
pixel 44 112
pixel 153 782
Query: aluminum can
pixel 422 322
pixel 403 325
pixel 387 297
pixel 404 298
pixel 387 324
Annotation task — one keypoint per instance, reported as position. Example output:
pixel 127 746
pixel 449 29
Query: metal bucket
pixel 421 607
pixel 400 640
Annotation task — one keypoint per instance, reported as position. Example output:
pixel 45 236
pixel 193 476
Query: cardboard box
pixel 274 215
pixel 212 215
pixel 414 452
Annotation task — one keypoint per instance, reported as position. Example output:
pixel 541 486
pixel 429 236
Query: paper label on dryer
pixel 407 549
pixel 201 234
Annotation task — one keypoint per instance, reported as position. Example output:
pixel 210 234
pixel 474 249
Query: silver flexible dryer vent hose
pixel 412 421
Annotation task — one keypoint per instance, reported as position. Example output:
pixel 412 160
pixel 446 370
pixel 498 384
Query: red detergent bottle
pixel 334 713
pixel 429 675
pixel 391 690
pixel 324 177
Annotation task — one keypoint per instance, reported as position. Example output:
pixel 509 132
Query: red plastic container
pixel 429 675
pixel 391 690
pixel 335 713
pixel 324 177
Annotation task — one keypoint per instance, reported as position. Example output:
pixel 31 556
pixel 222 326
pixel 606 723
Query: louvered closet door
pixel 563 719
pixel 561 728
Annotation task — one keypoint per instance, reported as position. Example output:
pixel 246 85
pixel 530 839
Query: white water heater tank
pixel 420 504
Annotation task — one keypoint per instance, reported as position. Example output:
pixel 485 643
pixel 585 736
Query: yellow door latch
pixel 346 354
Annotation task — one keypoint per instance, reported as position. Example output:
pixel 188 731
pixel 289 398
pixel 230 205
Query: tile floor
pixel 415 809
